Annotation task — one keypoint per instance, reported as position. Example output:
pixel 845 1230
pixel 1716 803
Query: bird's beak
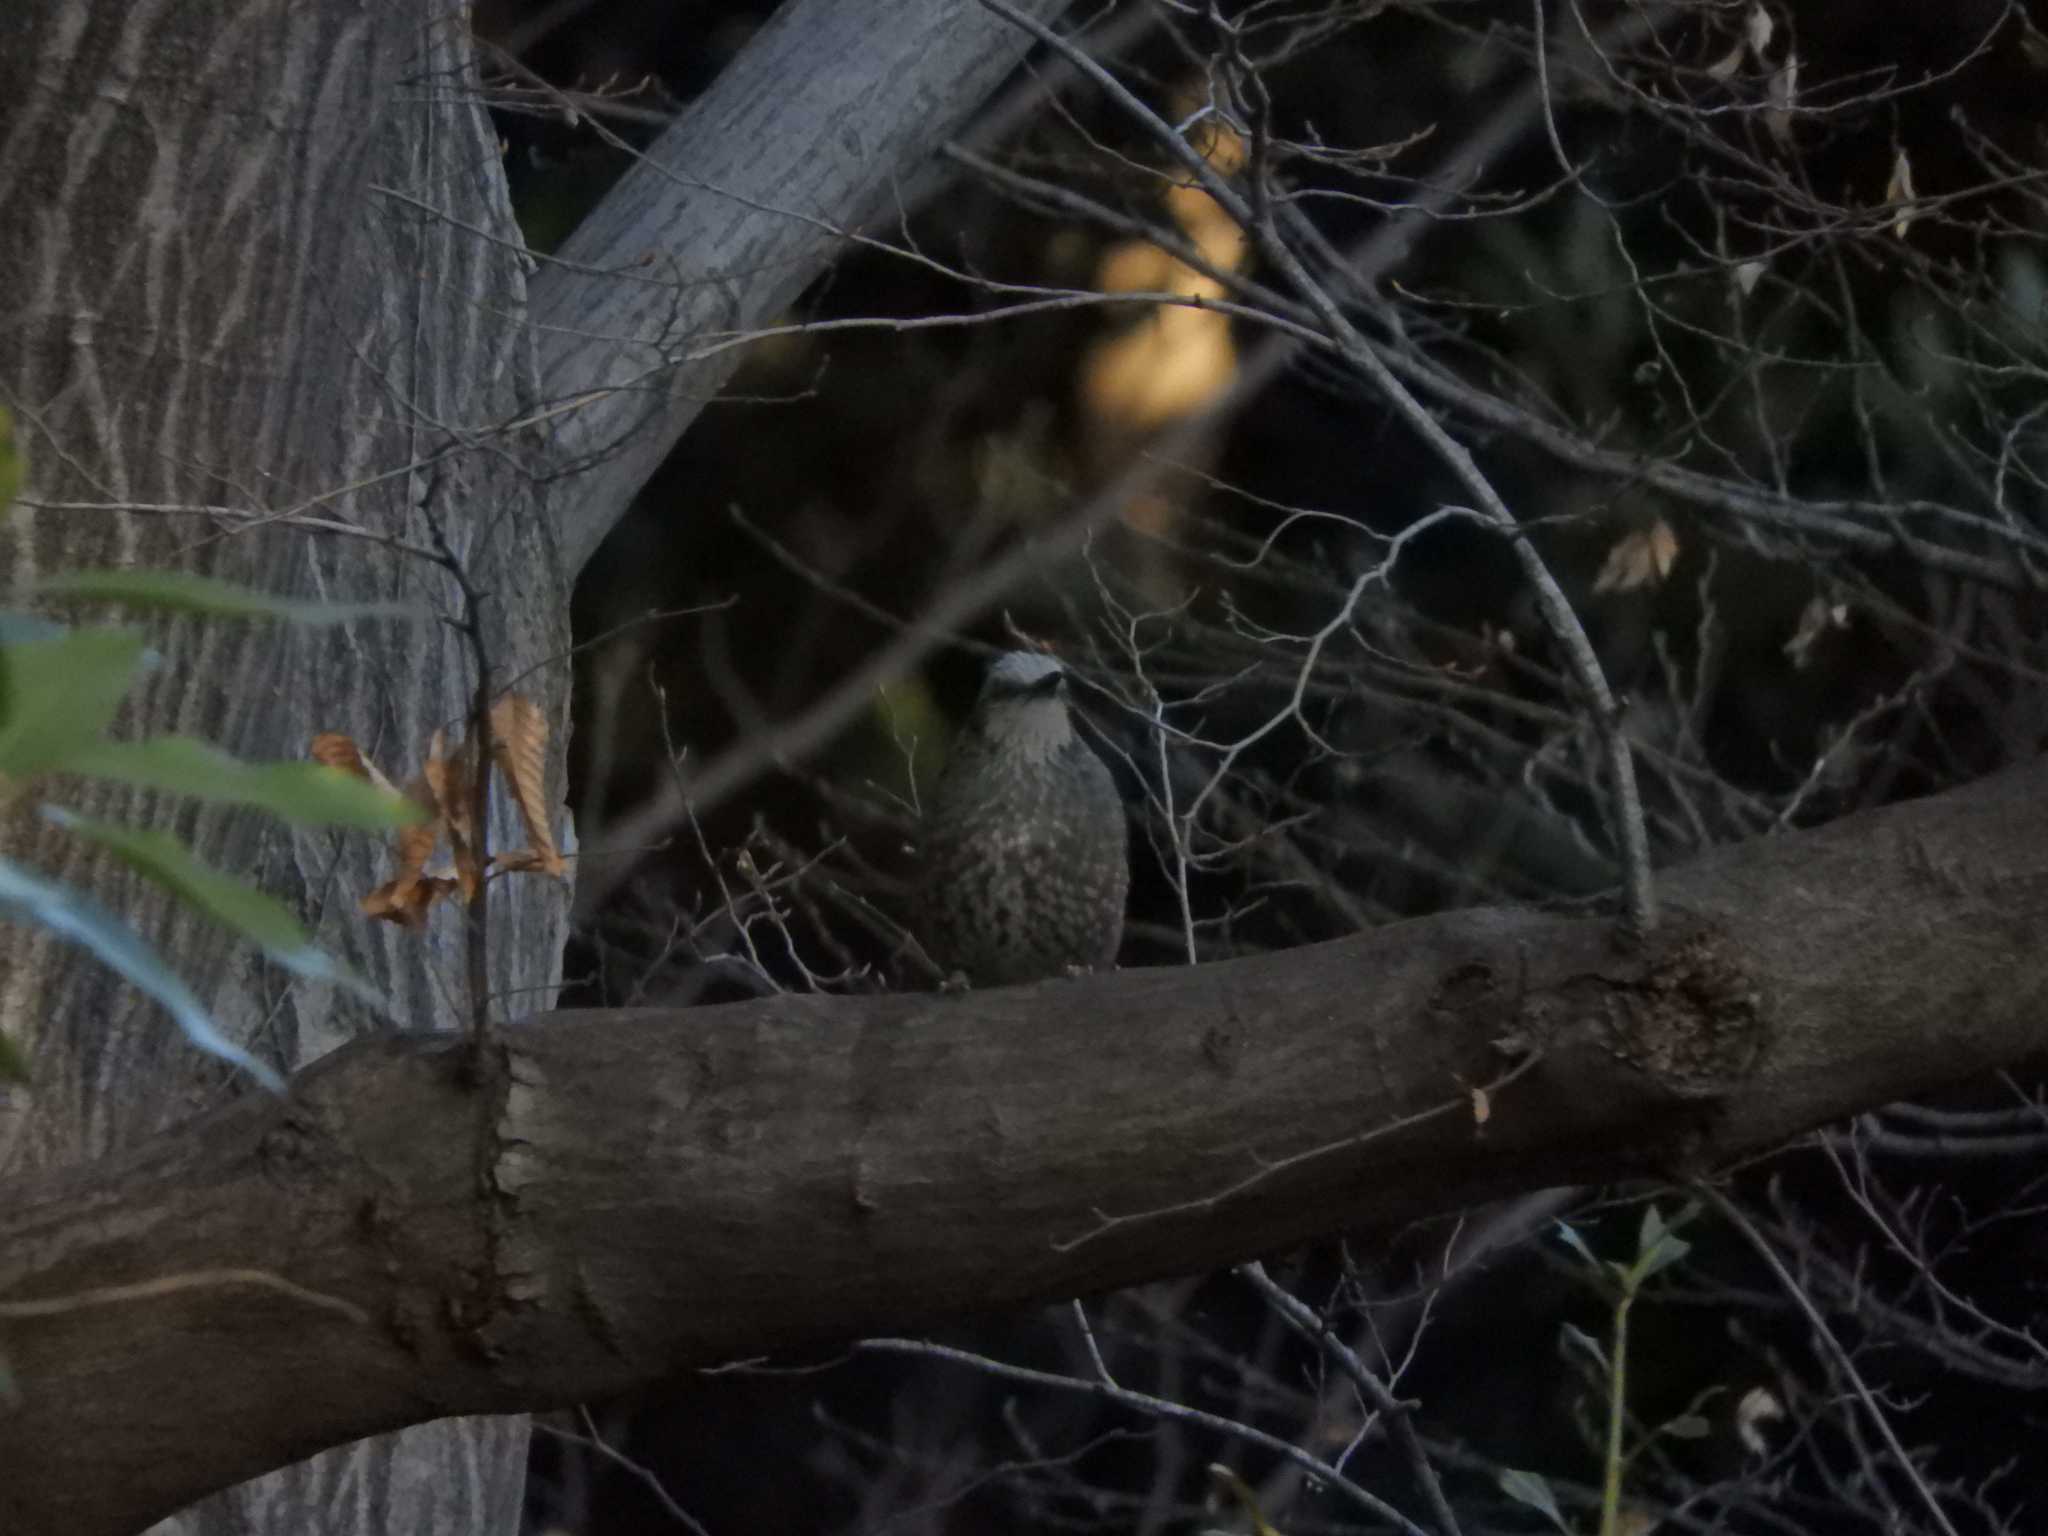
pixel 1048 686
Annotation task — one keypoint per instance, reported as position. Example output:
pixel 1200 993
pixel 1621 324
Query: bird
pixel 1024 859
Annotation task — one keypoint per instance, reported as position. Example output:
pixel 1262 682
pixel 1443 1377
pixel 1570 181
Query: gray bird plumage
pixel 1025 870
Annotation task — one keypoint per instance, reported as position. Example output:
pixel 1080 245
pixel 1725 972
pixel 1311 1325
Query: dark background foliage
pixel 849 477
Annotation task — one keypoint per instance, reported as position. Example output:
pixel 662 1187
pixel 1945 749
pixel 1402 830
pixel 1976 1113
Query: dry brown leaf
pixel 1746 275
pixel 450 779
pixel 1815 619
pixel 1899 190
pixel 337 750
pixel 446 787
pixel 415 844
pixel 519 743
pixel 406 901
pixel 1638 559
pixel 407 895
pixel 1482 1106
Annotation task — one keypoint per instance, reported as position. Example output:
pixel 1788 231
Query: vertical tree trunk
pixel 240 268
pixel 257 269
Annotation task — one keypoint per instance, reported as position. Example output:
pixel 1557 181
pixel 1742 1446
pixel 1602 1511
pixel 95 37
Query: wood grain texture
pixel 658 1190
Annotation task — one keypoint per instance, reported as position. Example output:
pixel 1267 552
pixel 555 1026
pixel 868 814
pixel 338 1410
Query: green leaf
pixel 232 903
pixel 311 794
pixel 1571 1237
pixel 57 696
pixel 1669 1251
pixel 1533 1490
pixel 1652 1230
pixel 13 1060
pixel 1576 1338
pixel 184 592
pixel 28 897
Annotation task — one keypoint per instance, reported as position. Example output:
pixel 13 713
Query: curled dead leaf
pixel 337 750
pixel 406 901
pixel 519 744
pixel 1899 191
pixel 1638 559
pixel 450 781
pixel 409 894
pixel 446 788
pixel 1756 1408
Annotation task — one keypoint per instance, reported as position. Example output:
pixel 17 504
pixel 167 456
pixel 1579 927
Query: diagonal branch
pixel 799 141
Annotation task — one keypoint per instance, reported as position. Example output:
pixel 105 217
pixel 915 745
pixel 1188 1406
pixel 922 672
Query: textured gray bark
pixel 809 133
pixel 259 258
pixel 210 303
pixel 668 1189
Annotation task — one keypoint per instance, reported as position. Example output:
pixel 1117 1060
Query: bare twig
pixel 1731 1213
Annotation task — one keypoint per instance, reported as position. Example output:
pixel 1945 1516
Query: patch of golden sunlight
pixel 1151 514
pixel 1176 359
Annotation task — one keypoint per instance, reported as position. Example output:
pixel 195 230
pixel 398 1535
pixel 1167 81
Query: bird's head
pixel 1023 705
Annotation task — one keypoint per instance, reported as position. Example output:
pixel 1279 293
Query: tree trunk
pixel 259 264
pixel 225 295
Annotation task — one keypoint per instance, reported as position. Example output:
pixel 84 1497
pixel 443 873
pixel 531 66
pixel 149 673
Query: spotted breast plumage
pixel 1023 848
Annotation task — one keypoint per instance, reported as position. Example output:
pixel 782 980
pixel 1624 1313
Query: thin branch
pixel 1733 1215
pixel 1626 811
pixel 1398 1414
pixel 1156 1408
